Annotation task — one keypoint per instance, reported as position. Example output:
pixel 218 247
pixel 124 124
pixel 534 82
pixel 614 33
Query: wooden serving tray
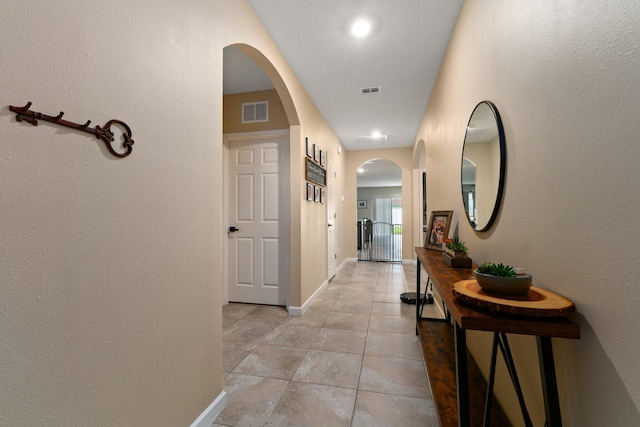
pixel 536 302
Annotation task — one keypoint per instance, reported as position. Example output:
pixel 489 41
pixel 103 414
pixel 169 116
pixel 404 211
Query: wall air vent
pixel 372 89
pixel 255 112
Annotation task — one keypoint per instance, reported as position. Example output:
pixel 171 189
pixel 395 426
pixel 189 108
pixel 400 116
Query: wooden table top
pixel 470 317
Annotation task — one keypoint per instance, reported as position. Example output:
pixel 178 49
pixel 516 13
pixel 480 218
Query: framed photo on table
pixel 438 230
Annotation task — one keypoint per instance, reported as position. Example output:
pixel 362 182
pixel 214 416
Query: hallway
pixel 352 359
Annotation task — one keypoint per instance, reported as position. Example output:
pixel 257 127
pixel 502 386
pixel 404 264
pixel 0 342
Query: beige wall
pixel 313 230
pixel 111 268
pixel 565 81
pixel 232 107
pixel 401 157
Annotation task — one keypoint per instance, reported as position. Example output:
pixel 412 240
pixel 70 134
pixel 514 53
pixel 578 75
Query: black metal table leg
pixel 423 300
pixel 462 377
pixel 511 367
pixel 500 341
pixel 549 384
pixel 492 375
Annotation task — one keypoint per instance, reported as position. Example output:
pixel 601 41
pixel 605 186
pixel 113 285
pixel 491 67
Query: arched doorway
pixel 261 127
pixel 420 216
pixel 379 213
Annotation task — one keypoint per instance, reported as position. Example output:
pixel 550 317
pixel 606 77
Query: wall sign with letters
pixel 315 173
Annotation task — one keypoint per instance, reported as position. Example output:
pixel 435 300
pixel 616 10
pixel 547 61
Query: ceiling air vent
pixel 371 139
pixel 255 112
pixel 372 89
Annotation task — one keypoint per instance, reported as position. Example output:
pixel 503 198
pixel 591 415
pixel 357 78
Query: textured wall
pixel 313 227
pixel 110 269
pixel 232 105
pixel 565 80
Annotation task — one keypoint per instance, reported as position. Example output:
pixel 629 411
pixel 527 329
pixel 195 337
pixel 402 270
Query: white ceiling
pixel 402 56
pixel 240 74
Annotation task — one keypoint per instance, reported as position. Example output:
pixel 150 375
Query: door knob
pixel 330 225
pixel 233 229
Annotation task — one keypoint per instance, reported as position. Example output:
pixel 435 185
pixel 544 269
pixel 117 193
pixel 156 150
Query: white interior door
pixel 254 248
pixel 332 255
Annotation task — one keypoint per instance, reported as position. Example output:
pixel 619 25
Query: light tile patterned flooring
pixel 352 359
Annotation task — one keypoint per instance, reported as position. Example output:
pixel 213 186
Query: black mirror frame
pixel 503 161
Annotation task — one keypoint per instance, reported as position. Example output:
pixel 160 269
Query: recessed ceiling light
pixel 361 28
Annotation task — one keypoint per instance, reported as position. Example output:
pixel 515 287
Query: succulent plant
pixel 499 270
pixel 457 246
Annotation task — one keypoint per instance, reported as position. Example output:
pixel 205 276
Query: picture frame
pixel 316 153
pixel 310 192
pixel 316 193
pixel 323 158
pixel 323 195
pixel 362 204
pixel 439 224
pixel 315 173
pixel 310 146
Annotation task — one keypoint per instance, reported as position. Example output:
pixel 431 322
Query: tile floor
pixel 352 359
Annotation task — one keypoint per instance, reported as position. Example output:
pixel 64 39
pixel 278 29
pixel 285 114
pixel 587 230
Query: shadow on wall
pixel 595 371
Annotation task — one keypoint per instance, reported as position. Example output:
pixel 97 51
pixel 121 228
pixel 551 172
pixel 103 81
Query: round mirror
pixel 483 166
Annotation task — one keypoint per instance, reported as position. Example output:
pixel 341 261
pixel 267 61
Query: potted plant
pixel 456 248
pixel 501 279
pixel 454 253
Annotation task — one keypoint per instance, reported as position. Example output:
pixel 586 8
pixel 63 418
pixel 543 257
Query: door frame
pixel 419 193
pixel 332 200
pixel 284 205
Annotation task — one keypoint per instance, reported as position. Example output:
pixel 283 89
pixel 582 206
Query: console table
pixel 467 317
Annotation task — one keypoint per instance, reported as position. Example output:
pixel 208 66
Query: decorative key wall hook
pixel 104 133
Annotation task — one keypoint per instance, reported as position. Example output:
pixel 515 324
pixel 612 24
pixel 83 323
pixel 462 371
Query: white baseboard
pixel 206 418
pixel 295 311
pixel 341 265
pixel 299 311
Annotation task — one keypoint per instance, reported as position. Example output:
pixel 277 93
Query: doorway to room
pixel 332 221
pixel 256 176
pixel 379 187
pixel 420 216
pixel 260 126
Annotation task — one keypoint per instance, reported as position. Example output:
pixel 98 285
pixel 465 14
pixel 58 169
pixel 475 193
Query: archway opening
pixel 420 213
pixel 261 127
pixel 379 213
